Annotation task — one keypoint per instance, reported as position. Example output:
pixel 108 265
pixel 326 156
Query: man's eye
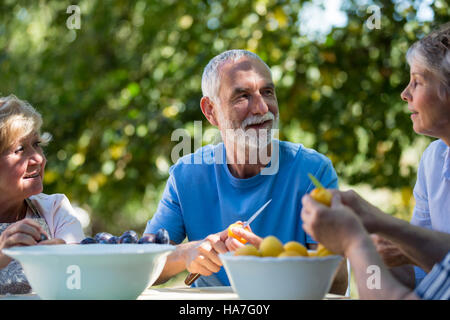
pixel 37 143
pixel 243 96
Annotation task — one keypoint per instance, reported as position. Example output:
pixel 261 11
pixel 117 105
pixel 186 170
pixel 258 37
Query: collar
pixel 446 170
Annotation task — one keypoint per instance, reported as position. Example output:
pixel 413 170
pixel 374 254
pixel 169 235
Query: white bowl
pixel 93 271
pixel 287 278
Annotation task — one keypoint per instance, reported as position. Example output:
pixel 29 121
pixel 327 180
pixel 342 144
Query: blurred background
pixel 113 88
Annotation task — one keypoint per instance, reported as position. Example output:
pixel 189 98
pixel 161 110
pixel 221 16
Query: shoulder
pixel 53 206
pixel 435 148
pixel 50 200
pixel 201 158
pixel 305 156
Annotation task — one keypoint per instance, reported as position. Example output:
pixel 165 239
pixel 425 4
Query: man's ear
pixel 207 107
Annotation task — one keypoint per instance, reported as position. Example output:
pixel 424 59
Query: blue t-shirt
pixel 202 197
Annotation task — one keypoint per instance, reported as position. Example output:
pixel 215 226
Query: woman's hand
pixel 26 232
pixel 336 227
pixel 370 216
pixel 391 254
pixel 52 242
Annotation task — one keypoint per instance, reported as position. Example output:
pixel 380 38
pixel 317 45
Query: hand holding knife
pixel 194 276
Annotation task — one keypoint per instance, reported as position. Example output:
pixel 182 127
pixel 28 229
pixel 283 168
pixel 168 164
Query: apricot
pixel 237 225
pixel 322 251
pixel 271 246
pixel 322 195
pixel 289 253
pixel 297 247
pixel 247 250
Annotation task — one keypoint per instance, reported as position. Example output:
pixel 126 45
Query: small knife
pixel 257 213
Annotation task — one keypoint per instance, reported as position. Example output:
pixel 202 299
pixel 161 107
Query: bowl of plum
pixel 103 267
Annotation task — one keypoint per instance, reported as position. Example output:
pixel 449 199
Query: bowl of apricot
pixel 277 271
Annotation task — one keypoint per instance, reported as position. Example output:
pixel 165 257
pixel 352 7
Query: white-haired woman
pixel 428 97
pixel 27 216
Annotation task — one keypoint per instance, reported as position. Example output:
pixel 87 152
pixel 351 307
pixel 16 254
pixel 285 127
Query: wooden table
pixel 176 293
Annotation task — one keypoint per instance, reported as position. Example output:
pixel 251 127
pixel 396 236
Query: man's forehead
pixel 244 64
pixel 237 70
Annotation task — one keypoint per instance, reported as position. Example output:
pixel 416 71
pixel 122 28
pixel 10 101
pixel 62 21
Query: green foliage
pixel 112 92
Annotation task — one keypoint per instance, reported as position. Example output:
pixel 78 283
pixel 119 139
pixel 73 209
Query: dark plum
pixel 162 236
pixel 113 240
pixel 105 236
pixel 129 234
pixel 127 238
pixel 88 240
pixel 147 239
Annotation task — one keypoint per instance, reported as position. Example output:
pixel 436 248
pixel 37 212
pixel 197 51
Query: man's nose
pixel 259 105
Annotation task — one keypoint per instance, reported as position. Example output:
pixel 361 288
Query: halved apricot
pixel 237 225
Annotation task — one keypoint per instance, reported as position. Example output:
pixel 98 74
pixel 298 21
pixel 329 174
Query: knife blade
pixel 257 213
pixel 316 182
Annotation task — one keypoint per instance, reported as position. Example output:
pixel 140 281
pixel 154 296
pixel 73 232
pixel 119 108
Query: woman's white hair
pixel 211 73
pixel 433 53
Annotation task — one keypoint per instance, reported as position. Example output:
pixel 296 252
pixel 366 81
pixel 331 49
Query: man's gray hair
pixel 211 74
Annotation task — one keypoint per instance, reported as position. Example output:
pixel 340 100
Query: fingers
pixel 198 267
pixel 310 210
pixel 217 244
pixel 206 255
pixel 52 242
pixel 233 244
pixel 381 242
pixel 24 232
pixel 337 200
pixel 207 250
pixel 19 239
pixel 247 235
pixel 349 196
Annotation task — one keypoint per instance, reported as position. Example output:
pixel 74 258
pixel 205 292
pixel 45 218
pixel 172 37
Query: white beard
pixel 251 140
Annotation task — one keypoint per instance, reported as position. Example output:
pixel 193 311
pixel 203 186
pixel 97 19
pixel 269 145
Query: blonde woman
pixel 27 216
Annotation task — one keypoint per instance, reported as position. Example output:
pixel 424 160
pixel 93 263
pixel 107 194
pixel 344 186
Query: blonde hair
pixel 433 53
pixel 18 119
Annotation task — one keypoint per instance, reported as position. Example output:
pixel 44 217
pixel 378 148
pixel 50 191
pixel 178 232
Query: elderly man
pixel 203 197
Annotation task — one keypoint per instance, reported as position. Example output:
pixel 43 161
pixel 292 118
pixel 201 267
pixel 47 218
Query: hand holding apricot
pixel 232 235
pixel 320 194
